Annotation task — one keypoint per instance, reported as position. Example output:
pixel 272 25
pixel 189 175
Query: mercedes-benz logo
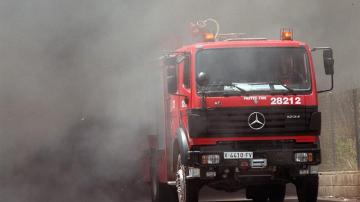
pixel 256 120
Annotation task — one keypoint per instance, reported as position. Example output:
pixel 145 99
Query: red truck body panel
pixel 176 106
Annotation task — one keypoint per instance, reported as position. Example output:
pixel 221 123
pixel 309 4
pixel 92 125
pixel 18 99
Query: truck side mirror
pixel 202 79
pixel 328 61
pixel 172 79
pixel 328 65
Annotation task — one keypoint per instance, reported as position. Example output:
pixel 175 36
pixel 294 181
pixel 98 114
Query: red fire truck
pixel 238 113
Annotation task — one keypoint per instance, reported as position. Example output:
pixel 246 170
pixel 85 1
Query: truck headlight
pixel 304 157
pixel 210 159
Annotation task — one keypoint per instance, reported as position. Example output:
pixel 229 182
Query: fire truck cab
pixel 239 113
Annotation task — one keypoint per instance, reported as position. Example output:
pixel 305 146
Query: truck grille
pixel 234 121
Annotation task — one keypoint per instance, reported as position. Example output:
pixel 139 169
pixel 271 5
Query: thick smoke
pixel 79 81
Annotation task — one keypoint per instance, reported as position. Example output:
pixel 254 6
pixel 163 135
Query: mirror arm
pixel 203 97
pixel 332 86
pixel 203 101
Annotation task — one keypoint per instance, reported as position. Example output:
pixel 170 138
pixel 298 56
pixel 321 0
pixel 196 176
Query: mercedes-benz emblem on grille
pixel 256 120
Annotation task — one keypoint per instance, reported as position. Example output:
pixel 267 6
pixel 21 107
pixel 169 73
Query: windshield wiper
pixel 272 84
pixel 289 90
pixel 227 85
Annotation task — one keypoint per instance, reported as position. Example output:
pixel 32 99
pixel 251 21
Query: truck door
pixel 184 90
pixel 172 102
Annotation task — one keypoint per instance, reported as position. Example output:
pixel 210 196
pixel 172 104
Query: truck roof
pixel 244 43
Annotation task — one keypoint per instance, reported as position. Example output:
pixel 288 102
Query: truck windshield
pixel 259 69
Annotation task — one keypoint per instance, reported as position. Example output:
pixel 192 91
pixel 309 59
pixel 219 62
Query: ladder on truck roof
pixel 237 37
pixel 201 28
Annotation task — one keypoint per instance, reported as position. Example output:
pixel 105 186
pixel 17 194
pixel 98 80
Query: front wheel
pixel 307 188
pixel 188 190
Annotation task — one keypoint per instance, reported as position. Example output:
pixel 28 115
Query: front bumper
pixel 274 160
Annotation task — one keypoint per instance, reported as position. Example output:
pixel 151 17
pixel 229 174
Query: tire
pixel 154 184
pixel 277 192
pixel 260 198
pixel 307 188
pixel 165 193
pixel 262 193
pixel 187 190
pixel 160 192
pixel 154 187
pixel 257 193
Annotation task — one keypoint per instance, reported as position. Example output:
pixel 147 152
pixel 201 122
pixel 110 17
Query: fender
pixel 183 145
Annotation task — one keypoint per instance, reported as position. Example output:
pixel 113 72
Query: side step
pixel 171 183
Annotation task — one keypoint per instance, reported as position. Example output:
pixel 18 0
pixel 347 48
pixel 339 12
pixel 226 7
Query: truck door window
pixel 187 72
pixel 172 79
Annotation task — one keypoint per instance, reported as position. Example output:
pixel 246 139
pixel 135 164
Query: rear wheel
pixel 277 192
pixel 263 193
pixel 307 188
pixel 187 190
pixel 160 192
pixel 164 193
pixel 257 193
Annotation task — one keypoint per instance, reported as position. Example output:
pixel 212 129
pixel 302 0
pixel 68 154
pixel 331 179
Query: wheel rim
pixel 181 182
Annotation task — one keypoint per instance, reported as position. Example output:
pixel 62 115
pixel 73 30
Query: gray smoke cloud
pixel 79 82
